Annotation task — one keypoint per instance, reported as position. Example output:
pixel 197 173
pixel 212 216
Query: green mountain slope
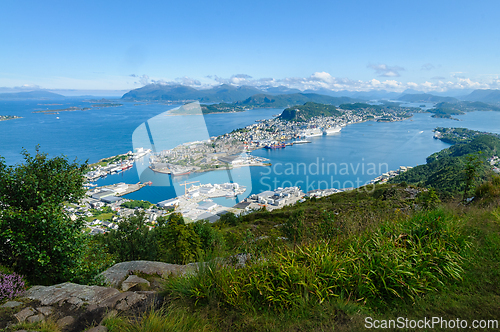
pixel 222 93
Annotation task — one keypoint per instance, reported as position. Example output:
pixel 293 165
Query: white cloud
pixel 187 81
pixel 144 79
pixel 323 77
pixel 383 70
pixel 315 81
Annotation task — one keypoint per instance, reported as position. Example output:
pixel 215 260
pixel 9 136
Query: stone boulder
pixel 77 307
pixel 118 272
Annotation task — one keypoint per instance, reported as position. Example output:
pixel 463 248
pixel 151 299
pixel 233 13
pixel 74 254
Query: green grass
pixel 102 216
pixel 163 320
pixel 44 326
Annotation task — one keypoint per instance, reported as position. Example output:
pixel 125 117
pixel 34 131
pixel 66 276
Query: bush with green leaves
pixel 37 238
pixel 131 241
pixel 177 241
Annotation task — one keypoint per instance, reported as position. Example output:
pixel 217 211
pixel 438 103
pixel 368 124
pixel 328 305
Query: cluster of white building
pixel 389 175
pixel 273 199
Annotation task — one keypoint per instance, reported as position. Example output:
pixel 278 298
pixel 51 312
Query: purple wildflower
pixel 11 285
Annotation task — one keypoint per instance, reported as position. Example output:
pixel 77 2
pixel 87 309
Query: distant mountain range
pixel 218 94
pixel 485 96
pixel 37 94
pixel 287 100
pixel 426 98
pixel 227 93
pixel 279 101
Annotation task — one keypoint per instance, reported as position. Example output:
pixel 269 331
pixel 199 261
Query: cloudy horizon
pixel 318 81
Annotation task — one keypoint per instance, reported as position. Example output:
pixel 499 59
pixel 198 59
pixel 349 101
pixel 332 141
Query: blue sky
pixel 353 45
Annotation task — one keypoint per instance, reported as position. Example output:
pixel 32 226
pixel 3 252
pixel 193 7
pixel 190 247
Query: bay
pixel 359 153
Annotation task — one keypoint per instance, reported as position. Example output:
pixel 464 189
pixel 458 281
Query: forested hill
pixel 445 170
pixel 307 111
pixel 217 94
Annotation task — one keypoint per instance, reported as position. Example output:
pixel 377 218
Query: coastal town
pixel 231 149
pixel 105 207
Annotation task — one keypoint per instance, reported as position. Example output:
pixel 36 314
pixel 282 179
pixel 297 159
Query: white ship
pixel 311 132
pixel 332 130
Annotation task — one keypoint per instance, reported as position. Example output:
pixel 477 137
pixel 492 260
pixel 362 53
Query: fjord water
pixel 359 153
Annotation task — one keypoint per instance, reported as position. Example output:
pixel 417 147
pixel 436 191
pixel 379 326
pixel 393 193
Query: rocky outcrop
pixel 118 272
pixel 79 307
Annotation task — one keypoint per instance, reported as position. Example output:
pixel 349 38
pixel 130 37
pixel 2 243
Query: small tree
pixel 132 240
pixel 177 242
pixel 471 171
pixel 428 199
pixel 37 239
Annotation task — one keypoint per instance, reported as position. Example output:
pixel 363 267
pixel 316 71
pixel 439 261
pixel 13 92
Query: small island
pixel 76 108
pixel 9 117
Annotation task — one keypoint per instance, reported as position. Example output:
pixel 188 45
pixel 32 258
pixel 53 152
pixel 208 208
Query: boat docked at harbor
pixel 275 146
pixel 331 130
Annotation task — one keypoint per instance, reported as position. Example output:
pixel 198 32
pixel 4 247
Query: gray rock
pixel 36 318
pixel 81 306
pixel 69 292
pixel 65 321
pixel 99 328
pixel 11 304
pixel 132 281
pixel 46 311
pixel 25 313
pixel 118 272
pixel 130 301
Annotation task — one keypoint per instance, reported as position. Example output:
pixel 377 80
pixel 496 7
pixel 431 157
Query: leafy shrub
pixel 428 199
pixel 11 285
pixel 489 189
pixel 37 238
pixel 178 242
pixel 230 219
pixel 131 241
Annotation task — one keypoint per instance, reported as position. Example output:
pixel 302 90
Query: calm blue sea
pixel 359 153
